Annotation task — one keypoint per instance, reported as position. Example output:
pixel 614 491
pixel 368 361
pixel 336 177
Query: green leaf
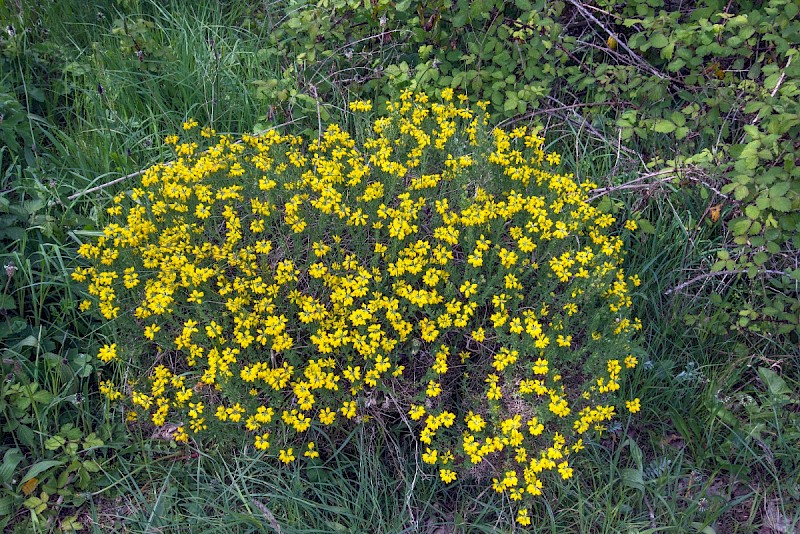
pixel 780 189
pixel 703 529
pixel 664 126
pixel 775 384
pixel 659 40
pixel 632 478
pixel 739 226
pixel 11 459
pixel 7 302
pixel 6 501
pixel 40 467
pixel 780 204
pixel 71 524
pixel 760 258
pixel 54 443
pixel 646 227
pixel 92 441
pixel 741 192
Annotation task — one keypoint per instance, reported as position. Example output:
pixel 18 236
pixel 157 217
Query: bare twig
pixel 642 63
pixel 705 276
pixel 139 173
pixel 546 111
pixel 107 184
pixel 665 174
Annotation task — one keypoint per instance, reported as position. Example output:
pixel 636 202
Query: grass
pixel 713 450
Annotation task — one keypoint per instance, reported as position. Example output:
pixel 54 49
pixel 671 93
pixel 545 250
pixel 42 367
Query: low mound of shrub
pixel 281 288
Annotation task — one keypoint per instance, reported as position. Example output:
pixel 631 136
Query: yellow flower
pixel 311 452
pixel 565 470
pixel 150 331
pixel 430 456
pixel 447 475
pixel 108 352
pixel 434 389
pixel 633 405
pixel 360 105
pixel 286 456
pixel 523 518
pixel 416 412
pixel 262 442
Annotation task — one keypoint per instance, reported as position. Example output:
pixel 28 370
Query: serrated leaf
pixel 741 192
pixel 780 189
pixel 739 226
pixel 752 212
pixel 658 40
pixel 780 204
pixel 54 443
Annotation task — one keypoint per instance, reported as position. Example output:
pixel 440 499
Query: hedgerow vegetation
pixel 397 266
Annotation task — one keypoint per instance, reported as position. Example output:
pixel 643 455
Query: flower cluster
pixel 273 285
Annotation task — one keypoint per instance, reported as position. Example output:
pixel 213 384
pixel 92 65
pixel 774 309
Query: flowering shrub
pixel 276 285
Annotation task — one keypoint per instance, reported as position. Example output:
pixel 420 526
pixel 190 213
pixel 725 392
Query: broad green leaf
pixel 780 189
pixel 55 442
pixel 752 212
pixel 40 467
pixel 633 478
pixel 739 226
pixel 11 459
pixel 659 40
pixel 780 204
pixel 775 384
pixel 664 126
pixel 7 302
pixel 646 227
pixel 6 501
